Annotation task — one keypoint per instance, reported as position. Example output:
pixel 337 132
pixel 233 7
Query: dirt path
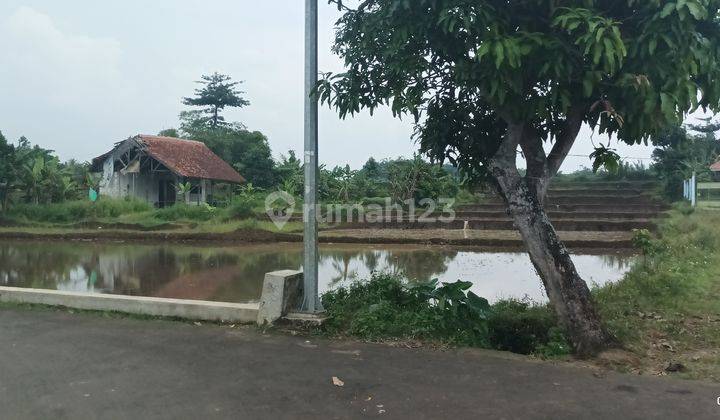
pixel 69 366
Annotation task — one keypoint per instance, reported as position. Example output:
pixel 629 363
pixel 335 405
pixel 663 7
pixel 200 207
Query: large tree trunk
pixel 568 293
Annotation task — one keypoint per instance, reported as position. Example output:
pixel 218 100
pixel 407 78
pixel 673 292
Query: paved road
pixel 58 365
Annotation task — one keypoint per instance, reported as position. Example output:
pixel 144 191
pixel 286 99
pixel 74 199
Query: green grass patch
pixel 76 211
pixel 668 305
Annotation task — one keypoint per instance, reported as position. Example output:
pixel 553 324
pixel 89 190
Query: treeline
pixel 32 174
pixel 250 154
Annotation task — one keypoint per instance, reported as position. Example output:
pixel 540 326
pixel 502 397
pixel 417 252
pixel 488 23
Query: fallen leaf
pixel 337 382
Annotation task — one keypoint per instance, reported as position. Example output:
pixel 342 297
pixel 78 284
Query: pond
pixel 235 273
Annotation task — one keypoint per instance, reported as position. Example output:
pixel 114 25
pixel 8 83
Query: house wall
pixel 144 186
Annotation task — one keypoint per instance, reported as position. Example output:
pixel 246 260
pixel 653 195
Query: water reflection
pixel 234 274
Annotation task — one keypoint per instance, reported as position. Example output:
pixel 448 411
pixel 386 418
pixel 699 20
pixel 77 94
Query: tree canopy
pixel 467 69
pixel 247 151
pixel 218 92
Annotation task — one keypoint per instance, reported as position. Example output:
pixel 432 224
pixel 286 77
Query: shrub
pixel 240 209
pixel 521 327
pixel 386 307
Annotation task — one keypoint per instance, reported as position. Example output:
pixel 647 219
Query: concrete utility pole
pixel 311 302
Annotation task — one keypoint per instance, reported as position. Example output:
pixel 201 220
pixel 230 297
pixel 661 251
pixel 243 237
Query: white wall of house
pixel 146 186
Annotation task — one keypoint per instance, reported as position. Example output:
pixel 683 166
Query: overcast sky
pixel 79 75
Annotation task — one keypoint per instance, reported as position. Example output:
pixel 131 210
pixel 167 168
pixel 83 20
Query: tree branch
pixel 566 138
pixel 531 145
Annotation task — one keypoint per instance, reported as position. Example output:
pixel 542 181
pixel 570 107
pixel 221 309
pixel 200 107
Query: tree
pixel 247 151
pixel 485 78
pixel 169 132
pixel 7 170
pixel 290 173
pixel 679 153
pixel 217 93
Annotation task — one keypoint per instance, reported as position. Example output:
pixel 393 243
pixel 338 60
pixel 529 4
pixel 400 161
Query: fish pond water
pixel 235 273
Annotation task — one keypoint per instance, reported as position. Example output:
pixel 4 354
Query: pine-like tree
pixel 218 92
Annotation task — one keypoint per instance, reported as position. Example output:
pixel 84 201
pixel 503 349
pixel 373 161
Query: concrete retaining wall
pixel 180 308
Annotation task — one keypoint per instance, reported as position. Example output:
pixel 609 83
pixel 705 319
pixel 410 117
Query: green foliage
pixel 643 240
pixel 466 70
pixel 679 152
pixel 385 307
pixel 246 151
pixel 524 328
pixel 33 174
pixel 184 188
pixel 605 157
pixel 675 279
pixel 244 205
pixel 217 93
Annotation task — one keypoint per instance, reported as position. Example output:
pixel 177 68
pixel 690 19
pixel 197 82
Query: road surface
pixel 61 365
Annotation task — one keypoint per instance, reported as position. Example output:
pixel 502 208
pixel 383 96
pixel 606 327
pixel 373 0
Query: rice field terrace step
pixel 616 215
pixel 624 192
pixel 606 184
pixel 610 207
pixel 592 199
pixel 501 224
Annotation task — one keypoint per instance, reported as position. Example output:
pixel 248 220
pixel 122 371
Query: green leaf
pixel 697 11
pixel 667 105
pixel 667 10
pixel 499 54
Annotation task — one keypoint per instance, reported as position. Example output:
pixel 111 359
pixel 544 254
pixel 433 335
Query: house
pixel 150 168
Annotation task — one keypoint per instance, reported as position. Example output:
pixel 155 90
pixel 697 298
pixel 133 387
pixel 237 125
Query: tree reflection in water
pixel 235 273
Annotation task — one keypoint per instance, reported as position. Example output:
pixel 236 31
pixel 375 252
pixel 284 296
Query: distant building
pixel 151 167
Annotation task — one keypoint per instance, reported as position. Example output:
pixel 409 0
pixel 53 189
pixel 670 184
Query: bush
pixel 521 327
pixel 385 307
pixel 240 209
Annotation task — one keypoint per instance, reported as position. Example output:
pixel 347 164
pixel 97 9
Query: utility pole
pixel 311 301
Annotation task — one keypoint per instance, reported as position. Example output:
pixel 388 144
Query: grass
pixel 129 215
pixel 667 308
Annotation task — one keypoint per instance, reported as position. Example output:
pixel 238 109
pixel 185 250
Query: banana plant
pixel 184 188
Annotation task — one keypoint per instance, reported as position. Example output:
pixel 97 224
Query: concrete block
pixel 282 292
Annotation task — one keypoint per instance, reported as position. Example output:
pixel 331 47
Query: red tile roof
pixel 715 167
pixel 189 158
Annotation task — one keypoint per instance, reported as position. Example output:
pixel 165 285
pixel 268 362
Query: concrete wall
pixel 180 308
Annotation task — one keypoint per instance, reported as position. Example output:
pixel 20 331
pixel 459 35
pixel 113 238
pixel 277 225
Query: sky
pixel 80 75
